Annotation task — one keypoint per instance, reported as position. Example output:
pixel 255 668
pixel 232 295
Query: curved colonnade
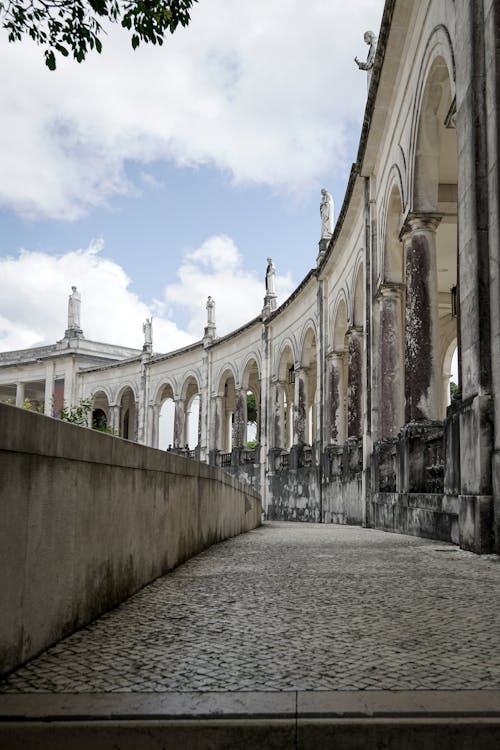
pixel 351 374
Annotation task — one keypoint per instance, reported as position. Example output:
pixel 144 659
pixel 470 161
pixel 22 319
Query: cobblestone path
pixel 294 607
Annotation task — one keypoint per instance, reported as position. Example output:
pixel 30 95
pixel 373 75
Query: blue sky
pixel 152 179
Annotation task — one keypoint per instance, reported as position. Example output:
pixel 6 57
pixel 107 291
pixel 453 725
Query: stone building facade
pixel 351 374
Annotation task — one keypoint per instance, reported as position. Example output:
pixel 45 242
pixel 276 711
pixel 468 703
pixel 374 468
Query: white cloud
pixel 216 269
pixel 267 91
pixel 36 285
pixel 35 289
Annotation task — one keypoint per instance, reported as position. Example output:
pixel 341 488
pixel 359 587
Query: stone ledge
pixel 418 720
pixel 359 704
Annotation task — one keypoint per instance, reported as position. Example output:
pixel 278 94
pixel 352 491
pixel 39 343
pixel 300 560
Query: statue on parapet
pixel 270 277
pixel 74 302
pixel 147 329
pixel 210 331
pixel 371 40
pixel 326 211
pixel 210 313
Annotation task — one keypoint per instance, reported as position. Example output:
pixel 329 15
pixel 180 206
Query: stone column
pixel 114 417
pixel 300 406
pixel 279 437
pixel 354 381
pixel 179 423
pixel 19 394
pixel 391 410
pixel 240 419
pixel 155 424
pixel 422 359
pixel 218 423
pixel 335 370
pixel 49 389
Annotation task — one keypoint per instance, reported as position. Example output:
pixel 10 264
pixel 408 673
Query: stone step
pixel 399 720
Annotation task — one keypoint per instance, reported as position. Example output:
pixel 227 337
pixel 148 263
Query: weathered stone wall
pixel 432 516
pixel 295 495
pixel 88 519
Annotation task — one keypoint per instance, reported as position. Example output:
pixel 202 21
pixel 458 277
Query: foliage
pixel 81 414
pixel 33 406
pixel 251 409
pixel 453 388
pixel 251 443
pixel 64 26
pixel 103 428
pixel 78 414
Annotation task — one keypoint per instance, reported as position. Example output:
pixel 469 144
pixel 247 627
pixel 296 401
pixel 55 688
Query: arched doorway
pixel 166 417
pixel 128 415
pixel 101 416
pixel 284 400
pixel 307 387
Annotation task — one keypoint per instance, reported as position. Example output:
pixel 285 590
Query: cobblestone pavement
pixel 294 607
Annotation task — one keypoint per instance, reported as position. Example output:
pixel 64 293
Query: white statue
pixel 210 313
pixel 326 211
pixel 147 329
pixel 270 277
pixel 370 39
pixel 74 303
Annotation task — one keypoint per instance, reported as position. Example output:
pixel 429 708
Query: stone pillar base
pixel 496 499
pixel 475 521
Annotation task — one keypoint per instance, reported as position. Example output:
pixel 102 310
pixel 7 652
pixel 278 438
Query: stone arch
pixel 127 403
pixel 392 254
pixel 164 414
pixel 306 407
pixel 250 383
pixel 308 328
pixel 187 416
pixel 101 410
pixel 225 408
pixel 165 389
pixel 284 395
pixel 430 238
pixel 224 372
pixel 437 68
pixel 286 344
pixel 337 373
pixel 358 295
pixel 389 369
pixel 340 322
pixel 123 387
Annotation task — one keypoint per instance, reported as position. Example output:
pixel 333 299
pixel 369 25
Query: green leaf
pixel 50 60
pixel 135 41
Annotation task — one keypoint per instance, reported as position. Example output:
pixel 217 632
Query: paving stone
pixel 293 607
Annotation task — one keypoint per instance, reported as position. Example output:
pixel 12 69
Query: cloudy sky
pixel 151 179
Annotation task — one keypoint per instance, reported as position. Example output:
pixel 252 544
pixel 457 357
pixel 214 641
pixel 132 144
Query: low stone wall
pixel 295 495
pixel 343 502
pixel 87 519
pixel 426 515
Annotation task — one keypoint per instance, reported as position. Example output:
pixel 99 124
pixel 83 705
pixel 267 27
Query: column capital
pixel 336 354
pixel 298 368
pixel 389 289
pixel 354 330
pixel 419 221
